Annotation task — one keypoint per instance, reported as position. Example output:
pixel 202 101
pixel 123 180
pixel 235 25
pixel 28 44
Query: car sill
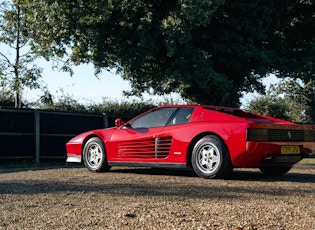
pixel 148 164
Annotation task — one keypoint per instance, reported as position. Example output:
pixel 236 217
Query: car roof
pixel 235 112
pixel 212 107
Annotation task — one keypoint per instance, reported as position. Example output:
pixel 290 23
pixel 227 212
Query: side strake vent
pixel 280 135
pixel 162 147
pixel 148 148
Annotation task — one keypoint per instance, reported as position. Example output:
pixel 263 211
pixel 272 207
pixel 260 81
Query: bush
pixel 126 108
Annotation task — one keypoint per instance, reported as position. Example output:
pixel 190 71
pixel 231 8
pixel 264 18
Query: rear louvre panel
pixel 148 148
pixel 264 135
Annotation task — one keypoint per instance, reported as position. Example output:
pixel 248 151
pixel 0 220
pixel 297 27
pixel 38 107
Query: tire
pixel 275 171
pixel 94 155
pixel 211 159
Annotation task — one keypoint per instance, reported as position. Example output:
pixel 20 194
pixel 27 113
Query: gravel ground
pixel 70 197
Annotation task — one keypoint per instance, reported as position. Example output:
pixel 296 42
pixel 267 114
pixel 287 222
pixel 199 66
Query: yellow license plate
pixel 290 149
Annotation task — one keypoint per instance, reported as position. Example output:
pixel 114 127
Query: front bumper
pixel 74 159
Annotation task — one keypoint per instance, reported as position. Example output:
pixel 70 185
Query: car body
pixel 210 139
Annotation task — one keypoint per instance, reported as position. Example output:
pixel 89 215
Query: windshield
pixel 154 118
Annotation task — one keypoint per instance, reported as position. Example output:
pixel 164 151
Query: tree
pixel 208 51
pixel 290 100
pixel 293 41
pixel 268 105
pixel 17 72
pixel 300 99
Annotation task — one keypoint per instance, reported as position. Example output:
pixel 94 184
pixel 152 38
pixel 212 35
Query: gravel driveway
pixel 70 197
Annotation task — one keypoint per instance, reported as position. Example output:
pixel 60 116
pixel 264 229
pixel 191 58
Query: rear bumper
pixel 269 153
pixel 274 148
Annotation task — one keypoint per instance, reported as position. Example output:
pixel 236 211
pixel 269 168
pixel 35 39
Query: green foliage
pixel 269 105
pixel 123 108
pixel 66 103
pixel 300 99
pixel 293 40
pixel 290 100
pixel 207 51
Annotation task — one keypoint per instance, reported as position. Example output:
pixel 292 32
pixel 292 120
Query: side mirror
pixel 119 122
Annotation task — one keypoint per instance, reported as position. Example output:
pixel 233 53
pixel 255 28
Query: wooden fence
pixel 39 134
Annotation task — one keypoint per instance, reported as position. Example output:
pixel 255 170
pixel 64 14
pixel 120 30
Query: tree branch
pixel 6 58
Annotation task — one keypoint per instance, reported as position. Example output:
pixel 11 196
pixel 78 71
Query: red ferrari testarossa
pixel 210 139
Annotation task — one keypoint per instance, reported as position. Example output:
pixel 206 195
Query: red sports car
pixel 210 139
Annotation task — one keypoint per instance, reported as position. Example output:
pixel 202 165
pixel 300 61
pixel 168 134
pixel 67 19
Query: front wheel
pixel 211 159
pixel 94 155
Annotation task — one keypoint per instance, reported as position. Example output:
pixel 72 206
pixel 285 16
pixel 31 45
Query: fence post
pixel 105 120
pixel 37 135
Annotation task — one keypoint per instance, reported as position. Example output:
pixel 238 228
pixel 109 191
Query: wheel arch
pixel 86 139
pixel 94 151
pixel 195 140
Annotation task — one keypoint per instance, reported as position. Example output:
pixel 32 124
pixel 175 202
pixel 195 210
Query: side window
pixel 155 118
pixel 182 116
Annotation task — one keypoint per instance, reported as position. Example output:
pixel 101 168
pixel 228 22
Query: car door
pixel 142 139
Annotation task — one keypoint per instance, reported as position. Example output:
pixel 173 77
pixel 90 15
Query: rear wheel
pixel 94 155
pixel 211 159
pixel 275 171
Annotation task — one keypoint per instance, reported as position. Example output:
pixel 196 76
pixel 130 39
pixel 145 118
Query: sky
pixel 83 85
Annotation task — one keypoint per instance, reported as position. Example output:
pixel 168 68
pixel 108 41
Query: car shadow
pixel 238 174
pixel 156 171
pixel 258 176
